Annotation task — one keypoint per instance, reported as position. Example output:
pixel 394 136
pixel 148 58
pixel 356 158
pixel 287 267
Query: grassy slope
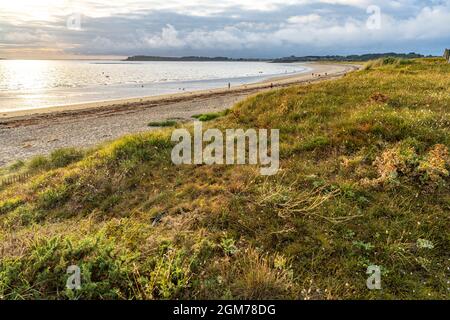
pixel 364 181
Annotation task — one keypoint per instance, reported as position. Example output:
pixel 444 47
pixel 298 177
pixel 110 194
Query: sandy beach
pixel 24 134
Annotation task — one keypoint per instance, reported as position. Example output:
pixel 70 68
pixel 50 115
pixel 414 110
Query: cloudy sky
pixel 235 28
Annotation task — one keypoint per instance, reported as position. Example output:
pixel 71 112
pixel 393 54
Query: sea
pixel 34 84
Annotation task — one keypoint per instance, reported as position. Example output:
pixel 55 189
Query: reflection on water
pixel 25 75
pixel 28 84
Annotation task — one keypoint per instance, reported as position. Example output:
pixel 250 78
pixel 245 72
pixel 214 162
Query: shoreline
pixel 29 133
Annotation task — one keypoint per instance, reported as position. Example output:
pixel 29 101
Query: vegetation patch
pixel 57 159
pixel 10 204
pixel 165 123
pixel 210 116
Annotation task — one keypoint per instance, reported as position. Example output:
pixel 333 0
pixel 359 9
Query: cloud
pixel 307 19
pixel 232 27
pixel 167 39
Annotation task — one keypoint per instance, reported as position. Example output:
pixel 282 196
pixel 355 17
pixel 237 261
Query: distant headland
pixel 189 58
pixel 355 57
pixel 362 57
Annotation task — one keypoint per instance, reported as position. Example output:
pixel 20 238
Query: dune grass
pixel 210 116
pixel 364 180
pixel 165 123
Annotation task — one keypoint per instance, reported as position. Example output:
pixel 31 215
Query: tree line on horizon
pixel 293 58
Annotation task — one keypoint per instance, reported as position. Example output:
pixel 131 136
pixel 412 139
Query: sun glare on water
pixel 24 74
pixel 26 80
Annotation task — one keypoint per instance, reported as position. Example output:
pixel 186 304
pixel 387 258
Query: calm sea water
pixel 30 84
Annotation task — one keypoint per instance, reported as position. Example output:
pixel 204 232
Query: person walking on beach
pixel 229 86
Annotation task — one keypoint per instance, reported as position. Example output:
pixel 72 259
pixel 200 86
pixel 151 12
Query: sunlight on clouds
pixel 123 27
pixel 310 18
pixel 49 10
pixel 29 10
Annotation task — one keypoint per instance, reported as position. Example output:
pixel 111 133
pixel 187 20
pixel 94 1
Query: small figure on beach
pixel 229 86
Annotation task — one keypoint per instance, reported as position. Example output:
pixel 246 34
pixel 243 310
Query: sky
pixel 60 29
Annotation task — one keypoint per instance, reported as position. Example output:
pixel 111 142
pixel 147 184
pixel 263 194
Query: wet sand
pixel 27 133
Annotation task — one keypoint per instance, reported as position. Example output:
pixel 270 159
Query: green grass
pixel 210 116
pixel 365 180
pixel 165 123
pixel 387 61
pixel 57 159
